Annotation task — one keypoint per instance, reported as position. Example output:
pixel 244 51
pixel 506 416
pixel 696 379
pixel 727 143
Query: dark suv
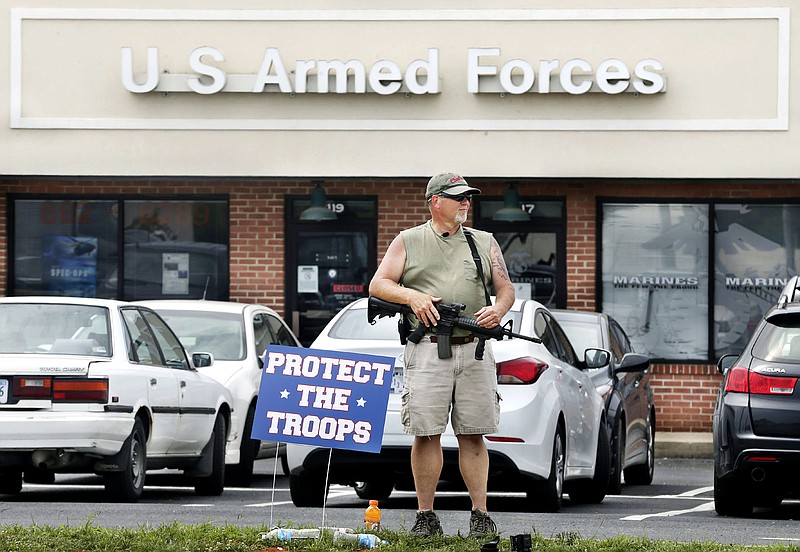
pixel 757 415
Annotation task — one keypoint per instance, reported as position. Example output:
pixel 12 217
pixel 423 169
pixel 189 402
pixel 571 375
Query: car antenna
pixel 205 290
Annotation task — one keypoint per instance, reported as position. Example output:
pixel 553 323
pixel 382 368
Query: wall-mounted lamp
pixel 319 205
pixel 511 211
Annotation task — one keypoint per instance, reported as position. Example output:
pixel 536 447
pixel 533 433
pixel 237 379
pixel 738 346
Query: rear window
pixel 45 328
pixel 779 340
pixel 353 325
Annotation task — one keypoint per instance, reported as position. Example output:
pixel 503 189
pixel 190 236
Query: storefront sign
pixel 485 74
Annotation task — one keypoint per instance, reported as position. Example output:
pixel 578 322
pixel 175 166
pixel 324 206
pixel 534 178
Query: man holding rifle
pixel 431 263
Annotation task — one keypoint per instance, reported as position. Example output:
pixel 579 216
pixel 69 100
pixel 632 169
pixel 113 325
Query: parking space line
pixel 705 507
pixel 333 494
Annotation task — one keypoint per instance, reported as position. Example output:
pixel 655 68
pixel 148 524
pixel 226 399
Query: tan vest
pixel 444 267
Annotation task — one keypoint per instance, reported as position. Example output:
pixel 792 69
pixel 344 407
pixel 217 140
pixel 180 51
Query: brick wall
pixel 684 392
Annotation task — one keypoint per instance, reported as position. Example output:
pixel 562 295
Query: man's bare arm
pixel 385 285
pixel 489 317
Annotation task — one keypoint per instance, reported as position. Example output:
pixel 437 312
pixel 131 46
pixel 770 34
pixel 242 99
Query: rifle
pixel 449 318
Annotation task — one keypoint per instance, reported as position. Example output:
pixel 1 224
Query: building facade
pixel 636 159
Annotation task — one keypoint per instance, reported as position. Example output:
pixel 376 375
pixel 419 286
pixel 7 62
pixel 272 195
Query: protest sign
pixel 324 398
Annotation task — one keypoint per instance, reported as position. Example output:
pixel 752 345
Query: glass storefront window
pixel 757 248
pixel 65 247
pixel 71 247
pixel 176 249
pixel 655 276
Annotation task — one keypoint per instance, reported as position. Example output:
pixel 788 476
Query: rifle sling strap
pixel 478 263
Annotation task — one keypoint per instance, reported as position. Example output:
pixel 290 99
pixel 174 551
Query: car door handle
pixel 153 381
pixel 183 383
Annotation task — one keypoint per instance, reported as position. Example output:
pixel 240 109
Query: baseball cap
pixel 450 184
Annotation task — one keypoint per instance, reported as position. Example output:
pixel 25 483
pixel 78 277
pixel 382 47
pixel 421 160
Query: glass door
pixel 329 264
pixel 534 250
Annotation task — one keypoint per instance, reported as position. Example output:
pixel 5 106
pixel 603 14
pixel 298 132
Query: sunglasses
pixel 459 197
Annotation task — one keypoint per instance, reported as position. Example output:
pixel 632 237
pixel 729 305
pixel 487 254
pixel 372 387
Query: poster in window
pixel 69 265
pixel 175 273
pixel 756 252
pixel 655 276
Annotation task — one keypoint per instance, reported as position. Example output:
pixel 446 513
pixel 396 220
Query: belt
pixel 455 340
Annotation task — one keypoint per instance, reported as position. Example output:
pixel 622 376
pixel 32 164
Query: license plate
pixel 397 380
pixel 4 391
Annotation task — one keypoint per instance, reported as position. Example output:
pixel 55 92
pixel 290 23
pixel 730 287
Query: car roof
pixel 59 300
pixel 573 315
pixel 201 305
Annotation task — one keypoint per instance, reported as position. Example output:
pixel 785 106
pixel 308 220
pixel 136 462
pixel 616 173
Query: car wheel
pixel 731 498
pixel 617 459
pixel 307 489
pixel 214 484
pixel 127 485
pixel 593 491
pixel 374 490
pixel 642 474
pixel 241 474
pixel 10 482
pixel 547 495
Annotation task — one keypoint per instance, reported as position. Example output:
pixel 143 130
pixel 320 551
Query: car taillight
pixel 31 388
pixel 521 370
pixel 771 385
pixel 742 380
pixel 80 390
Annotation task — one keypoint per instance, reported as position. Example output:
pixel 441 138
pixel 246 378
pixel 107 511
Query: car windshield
pixel 44 328
pixel 780 340
pixel 582 335
pixel 221 334
pixel 352 324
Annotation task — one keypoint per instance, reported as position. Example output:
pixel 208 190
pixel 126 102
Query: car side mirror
pixel 725 362
pixel 201 360
pixel 596 358
pixel 634 362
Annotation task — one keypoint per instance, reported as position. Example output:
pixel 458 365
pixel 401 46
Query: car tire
pixel 642 474
pixel 10 482
pixel 307 489
pixel 617 459
pixel 214 484
pixel 547 495
pixel 127 485
pixel 374 490
pixel 731 498
pixel 593 491
pixel 241 474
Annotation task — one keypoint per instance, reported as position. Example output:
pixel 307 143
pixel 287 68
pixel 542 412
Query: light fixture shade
pixel 319 206
pixel 511 211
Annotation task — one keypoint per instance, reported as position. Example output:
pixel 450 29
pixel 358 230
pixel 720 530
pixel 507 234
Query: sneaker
pixel 427 524
pixel 481 525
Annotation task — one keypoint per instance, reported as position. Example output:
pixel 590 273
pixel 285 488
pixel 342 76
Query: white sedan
pixel 236 335
pixel 552 436
pixel 103 386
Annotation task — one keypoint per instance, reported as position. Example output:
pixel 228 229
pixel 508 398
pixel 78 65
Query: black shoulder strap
pixel 478 263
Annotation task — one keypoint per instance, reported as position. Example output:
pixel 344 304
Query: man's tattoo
pixel 498 261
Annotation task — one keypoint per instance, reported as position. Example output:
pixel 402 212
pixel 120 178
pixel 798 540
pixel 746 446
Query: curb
pixel 684 445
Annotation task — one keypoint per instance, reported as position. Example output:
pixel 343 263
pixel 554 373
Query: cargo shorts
pixel 460 388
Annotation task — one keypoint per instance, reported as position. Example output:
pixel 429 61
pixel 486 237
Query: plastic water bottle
pixel 364 540
pixel 291 534
pixel 372 516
